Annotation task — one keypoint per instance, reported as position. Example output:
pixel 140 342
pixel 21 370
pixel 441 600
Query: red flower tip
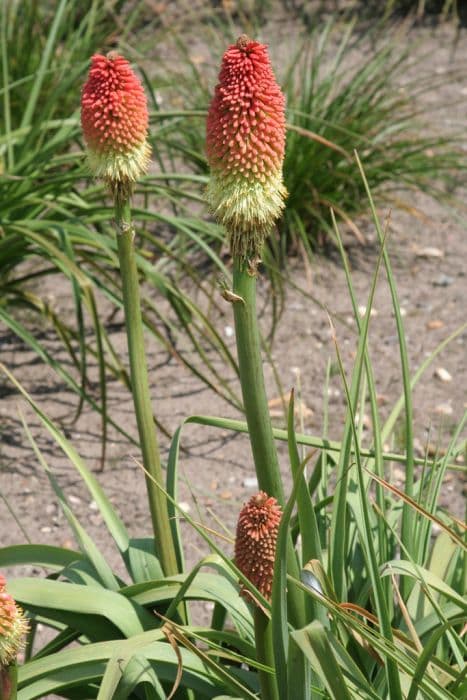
pixel 245 147
pixel 246 121
pixel 255 544
pixel 114 113
pixel 114 118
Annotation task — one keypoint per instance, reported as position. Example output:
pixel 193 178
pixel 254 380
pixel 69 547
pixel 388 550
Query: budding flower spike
pixel 13 626
pixel 114 118
pixel 255 543
pixel 245 147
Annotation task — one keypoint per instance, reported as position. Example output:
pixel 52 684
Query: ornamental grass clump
pixel 245 147
pixel 255 543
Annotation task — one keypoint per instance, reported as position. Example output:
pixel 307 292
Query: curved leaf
pixel 55 596
pixel 423 576
pixel 82 665
pixel 50 557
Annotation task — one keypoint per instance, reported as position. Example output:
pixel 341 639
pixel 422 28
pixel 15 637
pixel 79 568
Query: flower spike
pixel 114 117
pixel 255 544
pixel 245 147
pixel 13 626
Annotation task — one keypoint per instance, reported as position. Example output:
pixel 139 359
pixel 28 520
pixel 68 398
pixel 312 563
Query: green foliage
pixel 421 7
pixel 335 103
pixel 379 571
pixel 46 47
pixel 56 224
pixel 406 582
pixel 374 10
pixel 337 109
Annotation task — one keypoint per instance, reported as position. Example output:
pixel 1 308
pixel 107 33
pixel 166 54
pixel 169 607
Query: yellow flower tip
pixel 13 626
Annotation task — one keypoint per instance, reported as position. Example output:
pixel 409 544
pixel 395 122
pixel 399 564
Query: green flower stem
pixel 257 409
pixel 252 381
pixel 140 389
pixel 265 655
pixel 8 682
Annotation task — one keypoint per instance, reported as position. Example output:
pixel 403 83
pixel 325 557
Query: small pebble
pixel 444 409
pixel 250 482
pixel 443 281
pixel 183 505
pixel 434 325
pixel 74 500
pixel 362 311
pixel 430 253
pixel 228 331
pixel 443 375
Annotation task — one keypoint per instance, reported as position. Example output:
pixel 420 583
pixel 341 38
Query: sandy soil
pixel 217 473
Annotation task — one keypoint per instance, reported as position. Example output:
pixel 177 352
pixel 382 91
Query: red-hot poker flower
pixel 114 117
pixel 13 626
pixel 255 543
pixel 245 147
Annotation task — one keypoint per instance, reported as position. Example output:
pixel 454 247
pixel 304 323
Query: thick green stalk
pixel 257 410
pixel 265 655
pixel 252 381
pixel 140 389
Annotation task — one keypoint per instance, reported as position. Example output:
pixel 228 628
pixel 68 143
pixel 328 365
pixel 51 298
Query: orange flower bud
pixel 255 544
